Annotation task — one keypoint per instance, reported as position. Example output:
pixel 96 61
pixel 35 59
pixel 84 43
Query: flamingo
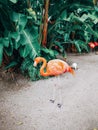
pixel 54 67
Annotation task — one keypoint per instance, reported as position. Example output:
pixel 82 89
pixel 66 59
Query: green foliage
pixel 73 17
pixel 21 21
pixel 19 32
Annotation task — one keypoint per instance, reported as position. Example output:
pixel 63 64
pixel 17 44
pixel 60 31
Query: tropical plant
pixel 19 34
pixel 26 32
pixel 75 23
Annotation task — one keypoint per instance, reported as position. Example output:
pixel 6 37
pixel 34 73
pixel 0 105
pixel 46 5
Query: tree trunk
pixel 45 24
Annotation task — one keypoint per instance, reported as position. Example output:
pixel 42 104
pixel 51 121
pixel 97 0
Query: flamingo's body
pixel 53 67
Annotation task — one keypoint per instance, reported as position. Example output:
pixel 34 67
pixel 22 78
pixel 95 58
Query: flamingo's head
pixel 36 61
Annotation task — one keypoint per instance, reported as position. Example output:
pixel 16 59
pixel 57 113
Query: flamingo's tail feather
pixel 71 71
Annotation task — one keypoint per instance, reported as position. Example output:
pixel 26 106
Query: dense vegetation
pixel 31 28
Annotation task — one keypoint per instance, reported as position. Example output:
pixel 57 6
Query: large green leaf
pixel 19 19
pixel 29 44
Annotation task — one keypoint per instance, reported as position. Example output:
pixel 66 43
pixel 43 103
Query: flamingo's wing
pixel 56 67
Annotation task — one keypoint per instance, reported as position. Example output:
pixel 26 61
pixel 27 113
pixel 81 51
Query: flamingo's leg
pixel 59 104
pixel 60 98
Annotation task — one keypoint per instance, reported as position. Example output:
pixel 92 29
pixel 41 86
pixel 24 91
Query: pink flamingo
pixel 53 68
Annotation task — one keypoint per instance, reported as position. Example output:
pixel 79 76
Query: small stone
pixel 52 101
pixel 19 123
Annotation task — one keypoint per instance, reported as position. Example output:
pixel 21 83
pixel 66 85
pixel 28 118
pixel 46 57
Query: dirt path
pixel 26 105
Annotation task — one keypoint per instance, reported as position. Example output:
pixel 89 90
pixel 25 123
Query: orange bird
pixel 53 67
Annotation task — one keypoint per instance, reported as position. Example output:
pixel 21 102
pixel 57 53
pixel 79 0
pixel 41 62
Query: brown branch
pixel 28 4
pixel 45 25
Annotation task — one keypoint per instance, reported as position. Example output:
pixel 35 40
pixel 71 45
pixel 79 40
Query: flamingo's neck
pixel 44 65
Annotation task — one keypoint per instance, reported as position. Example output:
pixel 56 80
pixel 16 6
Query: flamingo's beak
pixel 35 64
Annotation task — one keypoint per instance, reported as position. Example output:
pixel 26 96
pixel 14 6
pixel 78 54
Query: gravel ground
pixel 25 105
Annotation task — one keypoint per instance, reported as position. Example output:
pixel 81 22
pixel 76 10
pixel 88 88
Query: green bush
pixel 21 30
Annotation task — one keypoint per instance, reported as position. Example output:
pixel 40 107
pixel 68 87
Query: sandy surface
pixel 25 105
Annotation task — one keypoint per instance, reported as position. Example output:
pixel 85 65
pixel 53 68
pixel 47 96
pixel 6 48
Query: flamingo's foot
pixel 52 101
pixel 59 105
